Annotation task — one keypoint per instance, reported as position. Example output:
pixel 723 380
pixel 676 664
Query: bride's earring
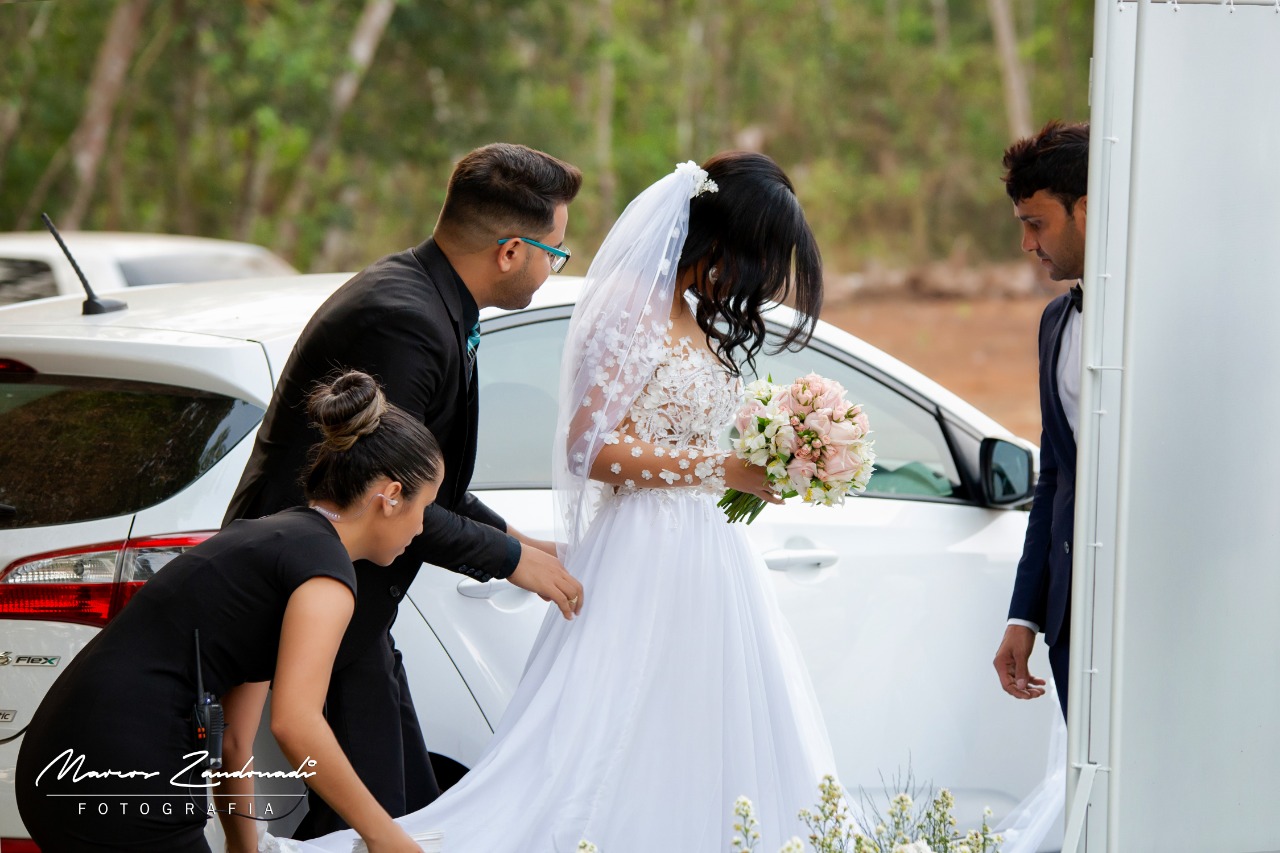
pixel 713 275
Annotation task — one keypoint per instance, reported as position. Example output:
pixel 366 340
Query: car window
pixel 22 279
pixel 120 446
pixel 912 455
pixel 519 370
pixel 207 266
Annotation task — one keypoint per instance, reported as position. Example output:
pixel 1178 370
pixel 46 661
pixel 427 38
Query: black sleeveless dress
pixel 125 702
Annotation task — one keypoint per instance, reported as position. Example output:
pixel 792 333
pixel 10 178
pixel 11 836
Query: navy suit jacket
pixel 1042 588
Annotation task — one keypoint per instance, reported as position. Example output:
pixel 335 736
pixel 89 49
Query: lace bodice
pixel 689 402
pixel 673 428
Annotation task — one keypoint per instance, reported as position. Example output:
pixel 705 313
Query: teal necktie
pixel 473 344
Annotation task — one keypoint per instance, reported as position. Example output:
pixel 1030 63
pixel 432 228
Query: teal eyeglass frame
pixel 559 257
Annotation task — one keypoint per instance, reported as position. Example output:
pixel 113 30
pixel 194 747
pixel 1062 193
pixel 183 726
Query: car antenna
pixel 94 304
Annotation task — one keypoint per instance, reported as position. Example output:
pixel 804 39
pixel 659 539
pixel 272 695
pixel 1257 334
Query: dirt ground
pixel 984 350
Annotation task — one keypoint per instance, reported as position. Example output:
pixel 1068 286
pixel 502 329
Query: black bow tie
pixel 1077 297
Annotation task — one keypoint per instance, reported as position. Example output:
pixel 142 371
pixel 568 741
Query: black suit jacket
pixel 400 320
pixel 1042 589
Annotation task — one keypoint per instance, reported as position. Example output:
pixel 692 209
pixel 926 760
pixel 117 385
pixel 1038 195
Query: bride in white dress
pixel 678 688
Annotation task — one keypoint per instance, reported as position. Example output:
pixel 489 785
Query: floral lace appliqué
pixel 685 407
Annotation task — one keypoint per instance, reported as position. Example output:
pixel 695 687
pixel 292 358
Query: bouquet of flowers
pixel 810 439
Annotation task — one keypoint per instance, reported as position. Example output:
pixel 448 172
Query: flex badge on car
pixel 36 660
pixel 7 716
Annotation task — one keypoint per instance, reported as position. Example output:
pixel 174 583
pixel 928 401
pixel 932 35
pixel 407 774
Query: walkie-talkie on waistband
pixel 208 717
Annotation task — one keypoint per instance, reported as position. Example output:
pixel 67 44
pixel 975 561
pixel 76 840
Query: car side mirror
pixel 1007 478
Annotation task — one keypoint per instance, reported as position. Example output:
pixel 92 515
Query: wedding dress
pixel 675 691
pixel 678 688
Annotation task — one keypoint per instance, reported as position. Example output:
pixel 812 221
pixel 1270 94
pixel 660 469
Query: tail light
pixel 90 584
pixel 19 845
pixel 12 367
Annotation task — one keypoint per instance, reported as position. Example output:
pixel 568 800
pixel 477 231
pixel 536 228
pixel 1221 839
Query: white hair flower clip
pixel 703 184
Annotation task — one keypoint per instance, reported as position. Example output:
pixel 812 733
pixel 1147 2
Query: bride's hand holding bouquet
pixel 808 439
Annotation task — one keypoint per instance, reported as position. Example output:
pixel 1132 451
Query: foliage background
pixel 890 115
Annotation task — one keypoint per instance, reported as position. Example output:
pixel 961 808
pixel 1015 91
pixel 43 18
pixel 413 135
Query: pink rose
pixel 746 419
pixel 817 384
pixel 801 472
pixel 819 422
pixel 861 420
pixel 787 403
pixel 832 397
pixel 842 465
pixel 800 397
pixel 844 433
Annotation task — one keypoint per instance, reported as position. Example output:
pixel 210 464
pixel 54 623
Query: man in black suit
pixel 411 320
pixel 1047 176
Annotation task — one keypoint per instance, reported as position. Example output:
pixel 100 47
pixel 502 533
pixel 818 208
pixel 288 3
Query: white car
pixel 126 433
pixel 32 266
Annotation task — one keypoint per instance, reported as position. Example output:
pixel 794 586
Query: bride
pixel 678 688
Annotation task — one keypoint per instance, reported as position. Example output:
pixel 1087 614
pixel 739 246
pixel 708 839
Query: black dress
pixel 125 703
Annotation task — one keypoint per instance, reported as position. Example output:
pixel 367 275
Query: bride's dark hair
pixel 754 235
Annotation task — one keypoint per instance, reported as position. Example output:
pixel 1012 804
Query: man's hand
pixel 541 573
pixel 1011 663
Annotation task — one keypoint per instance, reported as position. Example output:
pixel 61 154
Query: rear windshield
pixel 74 448
pixel 22 279
pixel 192 267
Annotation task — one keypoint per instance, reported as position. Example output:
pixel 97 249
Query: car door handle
pixel 480 589
pixel 786 559
pixel 499 594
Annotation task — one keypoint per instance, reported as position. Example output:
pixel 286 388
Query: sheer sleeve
pixel 627 461
pixel 614 343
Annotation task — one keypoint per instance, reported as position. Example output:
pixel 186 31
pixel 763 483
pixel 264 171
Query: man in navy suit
pixel 1047 177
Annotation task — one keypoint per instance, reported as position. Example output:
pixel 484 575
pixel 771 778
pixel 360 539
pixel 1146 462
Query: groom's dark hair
pixel 505 190
pixel 1056 159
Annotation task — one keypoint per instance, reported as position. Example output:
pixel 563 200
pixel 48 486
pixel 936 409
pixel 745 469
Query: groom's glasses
pixel 559 257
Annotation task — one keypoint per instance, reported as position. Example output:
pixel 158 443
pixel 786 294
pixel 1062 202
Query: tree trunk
pixel 364 44
pixel 119 216
pixel 689 101
pixel 11 113
pixel 90 138
pixel 260 159
pixel 1017 99
pixel 56 164
pixel 188 96
pixel 942 26
pixel 607 78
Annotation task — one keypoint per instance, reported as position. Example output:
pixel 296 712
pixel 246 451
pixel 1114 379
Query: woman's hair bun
pixel 346 408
